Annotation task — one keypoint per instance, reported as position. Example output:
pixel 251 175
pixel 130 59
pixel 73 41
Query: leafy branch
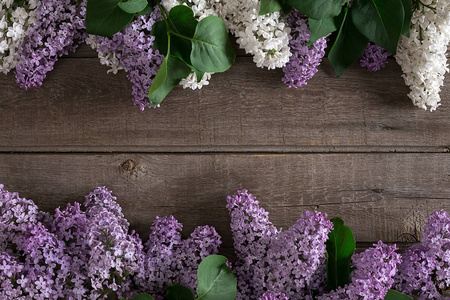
pixel 187 45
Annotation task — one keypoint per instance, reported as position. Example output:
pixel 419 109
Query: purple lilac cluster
pixel 373 275
pixel 305 59
pixel 272 260
pixel 87 251
pixel 171 260
pixel 133 47
pixel 374 57
pixel 58 30
pixel 269 295
pixel 425 270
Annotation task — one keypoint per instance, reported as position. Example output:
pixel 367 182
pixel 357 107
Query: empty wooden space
pixel 353 147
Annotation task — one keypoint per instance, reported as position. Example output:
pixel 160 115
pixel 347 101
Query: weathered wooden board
pixel 381 196
pixel 81 108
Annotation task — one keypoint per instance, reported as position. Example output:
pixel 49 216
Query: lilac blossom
pixel 16 214
pixel 114 254
pixel 425 271
pixel 71 226
pixel 132 49
pixel 373 274
pixel 58 30
pixel 169 259
pixel 305 59
pixel 46 265
pixel 10 269
pixel 269 295
pixel 272 260
pixel 204 241
pixel 374 57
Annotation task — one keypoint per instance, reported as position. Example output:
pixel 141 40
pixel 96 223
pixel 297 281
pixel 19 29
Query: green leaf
pixel 182 22
pixel 407 6
pixel 287 8
pixel 347 47
pixel 179 292
pixel 198 73
pixel 394 295
pixel 340 248
pixel 133 6
pixel 211 46
pixel 161 42
pixel 105 17
pixel 321 28
pixel 318 9
pixel 148 9
pixel 170 73
pixel 381 21
pixel 269 6
pixel 215 279
pixel 142 297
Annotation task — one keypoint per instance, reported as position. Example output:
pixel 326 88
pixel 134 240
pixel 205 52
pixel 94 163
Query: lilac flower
pixel 46 265
pixel 101 198
pixel 71 226
pixel 204 241
pixel 283 261
pixel 304 60
pixel 58 30
pixel 416 273
pixel 16 214
pixel 160 250
pixel 373 275
pixel 10 269
pixel 169 259
pixel 374 57
pixel 114 254
pixel 273 296
pixel 133 48
pixel 425 270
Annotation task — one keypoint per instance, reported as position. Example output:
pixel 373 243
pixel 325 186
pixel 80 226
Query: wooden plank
pixel 381 196
pixel 80 107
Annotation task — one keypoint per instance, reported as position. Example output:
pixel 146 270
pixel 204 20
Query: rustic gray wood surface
pixel 353 147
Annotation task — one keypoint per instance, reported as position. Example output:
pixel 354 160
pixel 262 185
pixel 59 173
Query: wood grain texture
pixel 381 196
pixel 247 109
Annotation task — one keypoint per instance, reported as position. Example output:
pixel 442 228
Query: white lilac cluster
pixel 15 22
pixel 422 56
pixel 266 37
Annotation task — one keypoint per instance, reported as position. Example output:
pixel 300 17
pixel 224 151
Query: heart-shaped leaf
pixel 170 73
pixel 105 17
pixel 347 47
pixel 183 24
pixel 321 28
pixel 148 9
pixel 133 6
pixel 211 46
pixel 407 6
pixel 215 279
pixel 179 292
pixel 340 248
pixel 381 21
pixel 318 9
pixel 394 295
pixel 269 6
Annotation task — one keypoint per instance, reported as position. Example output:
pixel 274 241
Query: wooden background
pixel 353 147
